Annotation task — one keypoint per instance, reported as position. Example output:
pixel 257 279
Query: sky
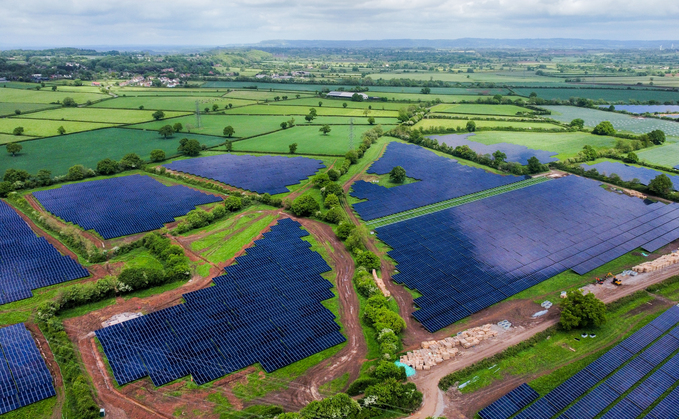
pixel 48 23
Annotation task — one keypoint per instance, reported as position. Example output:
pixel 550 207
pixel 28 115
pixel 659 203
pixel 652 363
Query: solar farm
pixel 515 153
pixel 628 172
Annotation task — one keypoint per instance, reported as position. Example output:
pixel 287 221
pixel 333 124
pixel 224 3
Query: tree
pixel 291 122
pixel 352 156
pixel 632 157
pixel 397 174
pixel 178 127
pixel 425 90
pixel 5 188
pixel 589 153
pixel 77 82
pixel 76 172
pixel 331 201
pixel 228 131
pixel 312 111
pixel 18 131
pixel 293 148
pixel 284 125
pixel 158 115
pixel 166 131
pixel 499 157
pixel 579 311
pixel 357 97
pixel 68 102
pixel 14 148
pixel 207 110
pixel 230 105
pixel 107 167
pixel 369 260
pixel 497 98
pixel 233 203
pixel 657 136
pixel 661 184
pixel 338 406
pixel 189 147
pixel 320 180
pixel 157 155
pixel 16 175
pixel 61 130
pixel 131 161
pixel 334 174
pixel 344 229
pixel 371 120
pixel 344 104
pixel 309 118
pixel 54 88
pixel 577 123
pixel 325 129
pixel 534 165
pixel 604 128
pixel 471 126
pixel 332 188
pixel 390 393
pixel 215 107
pixel 320 104
pixel 141 107
pixel 229 146
pixel 17 112
pixel 305 206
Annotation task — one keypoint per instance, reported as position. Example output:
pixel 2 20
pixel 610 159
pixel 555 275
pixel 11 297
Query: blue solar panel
pixel 261 174
pixel 471 256
pixel 627 172
pixel 570 390
pixel 440 179
pixel 27 261
pixel 592 404
pixel 514 152
pixel 510 403
pixel 122 206
pixel 624 409
pixel 541 409
pixel 667 408
pixel 266 309
pixel 648 392
pixel 24 377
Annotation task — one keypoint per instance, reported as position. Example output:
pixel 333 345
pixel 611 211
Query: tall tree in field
pixel 579 311
pixel 166 131
pixel 158 115
pixel 293 148
pixel 325 129
pixel 228 131
pixel 14 148
pixel 397 174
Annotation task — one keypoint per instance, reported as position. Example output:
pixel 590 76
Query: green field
pixel 567 144
pixel 46 128
pixel 304 110
pixel 57 154
pixel 609 95
pixel 419 97
pixel 249 125
pixel 338 103
pixel 454 123
pixel 264 95
pixel 9 108
pixel 46 96
pixel 666 155
pixel 171 103
pixel 8 138
pixel 621 122
pixel 112 116
pixel 470 108
pixel 309 140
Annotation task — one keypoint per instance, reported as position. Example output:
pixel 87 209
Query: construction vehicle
pixel 599 281
pixel 609 275
pixel 616 281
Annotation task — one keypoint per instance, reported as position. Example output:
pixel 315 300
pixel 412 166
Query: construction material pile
pixel 634 194
pixel 660 263
pixel 435 352
pixel 381 285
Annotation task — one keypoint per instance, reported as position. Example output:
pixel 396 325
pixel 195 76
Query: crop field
pixel 339 103
pixel 9 108
pixel 515 77
pixel 465 108
pixel 46 96
pixel 566 144
pixel 59 153
pixel 46 128
pixel 8 138
pixel 111 116
pixel 171 103
pixel 622 122
pixel 419 97
pixel 309 140
pixel 261 95
pixel 454 123
pixel 304 110
pixel 250 125
pixel 609 95
pixel 666 155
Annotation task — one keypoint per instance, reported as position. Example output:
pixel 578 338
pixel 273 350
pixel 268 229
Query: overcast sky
pixel 41 23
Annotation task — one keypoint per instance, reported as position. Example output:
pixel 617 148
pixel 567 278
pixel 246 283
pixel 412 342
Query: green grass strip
pixel 440 206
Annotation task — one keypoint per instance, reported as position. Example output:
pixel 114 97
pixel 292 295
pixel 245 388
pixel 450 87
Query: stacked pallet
pixel 660 263
pixel 435 352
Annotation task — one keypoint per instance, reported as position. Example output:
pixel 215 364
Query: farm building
pixel 346 95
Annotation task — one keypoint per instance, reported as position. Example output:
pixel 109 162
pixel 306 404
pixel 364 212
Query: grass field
pixel 454 123
pixel 263 95
pixel 419 97
pixel 9 108
pixel 567 144
pixel 8 138
pixel 46 128
pixel 666 155
pixel 112 116
pixel 304 110
pixel 46 96
pixel 309 140
pixel 621 122
pixel 469 108
pixel 170 103
pixel 249 125
pixel 338 103
pixel 610 95
pixel 87 148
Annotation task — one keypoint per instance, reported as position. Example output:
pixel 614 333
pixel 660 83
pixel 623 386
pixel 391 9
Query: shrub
pixel 344 229
pixel 333 174
pixel 157 155
pixel 334 215
pixel 359 386
pixel 107 167
pixel 131 161
pixel 233 203
pixel 386 370
pixel 76 172
pixel 305 206
pixel 365 285
pixel 604 128
pixel 332 188
pixel 331 201
pixel 369 260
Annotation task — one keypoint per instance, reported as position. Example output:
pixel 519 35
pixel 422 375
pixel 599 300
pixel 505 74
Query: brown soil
pixel 306 187
pixel 52 366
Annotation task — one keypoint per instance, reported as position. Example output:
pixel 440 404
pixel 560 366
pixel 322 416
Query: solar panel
pixel 667 408
pixel 266 309
pixel 514 152
pixel 510 403
pixel 653 387
pixel 624 409
pixel 261 174
pixel 627 172
pixel 122 206
pixel 28 262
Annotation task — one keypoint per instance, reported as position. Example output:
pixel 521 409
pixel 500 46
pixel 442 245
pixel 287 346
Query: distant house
pixel 96 83
pixel 3 79
pixel 345 95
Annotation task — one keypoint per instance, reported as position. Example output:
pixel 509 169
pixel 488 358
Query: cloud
pixel 212 22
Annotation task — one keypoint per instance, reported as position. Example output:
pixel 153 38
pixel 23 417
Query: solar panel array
pixel 440 178
pixel 27 261
pixel 24 377
pixel 469 257
pixel 266 309
pixel 515 153
pixel 628 173
pixel 628 366
pixel 261 174
pixel 639 109
pixel 510 403
pixel 121 206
